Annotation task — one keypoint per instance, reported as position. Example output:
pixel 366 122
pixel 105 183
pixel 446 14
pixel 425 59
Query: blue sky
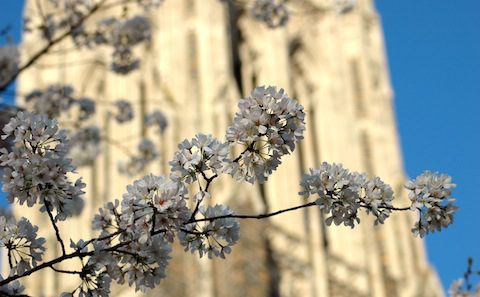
pixel 434 55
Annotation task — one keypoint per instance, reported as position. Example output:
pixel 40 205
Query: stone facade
pixel 205 55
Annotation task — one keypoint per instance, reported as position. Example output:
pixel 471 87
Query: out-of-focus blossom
pixel 9 58
pixel 147 152
pixel 124 111
pixel 158 119
pixel 274 13
pixel 52 101
pixel 85 145
pixel 344 6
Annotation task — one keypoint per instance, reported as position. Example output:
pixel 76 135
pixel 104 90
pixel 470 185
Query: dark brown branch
pixel 9 295
pixel 79 254
pixel 194 213
pixel 258 217
pixel 10 258
pixel 65 271
pixel 76 254
pixel 209 181
pixel 366 206
pixel 195 232
pixel 395 208
pixel 271 214
pixel 57 232
pixel 45 265
pixel 103 237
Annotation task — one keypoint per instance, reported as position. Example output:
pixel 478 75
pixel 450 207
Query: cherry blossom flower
pixel 36 169
pixel 152 203
pixel 430 193
pixel 213 238
pixel 202 154
pixel 267 127
pixel 342 193
pixel 25 249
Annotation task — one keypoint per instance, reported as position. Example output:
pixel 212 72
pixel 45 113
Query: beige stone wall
pixel 203 57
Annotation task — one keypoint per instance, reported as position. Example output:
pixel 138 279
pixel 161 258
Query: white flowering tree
pixel 135 234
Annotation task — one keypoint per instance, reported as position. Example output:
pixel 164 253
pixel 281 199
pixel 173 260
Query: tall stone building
pixel 206 54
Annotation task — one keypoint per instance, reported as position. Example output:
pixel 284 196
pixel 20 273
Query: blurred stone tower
pixel 204 56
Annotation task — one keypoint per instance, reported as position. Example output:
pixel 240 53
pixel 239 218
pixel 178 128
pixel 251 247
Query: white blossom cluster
pixel 342 193
pixel 202 154
pixel 36 168
pixel 211 237
pixel 430 193
pixel 95 281
pixel 268 126
pixel 9 58
pixel 85 145
pixel 457 290
pixel 149 215
pixel 273 13
pixel 124 111
pixel 147 152
pixel 157 119
pixel 20 239
pixel 139 265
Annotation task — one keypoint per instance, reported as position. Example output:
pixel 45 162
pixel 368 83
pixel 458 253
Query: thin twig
pixel 258 217
pixel 76 254
pixel 65 271
pixel 10 258
pixel 209 181
pixel 57 232
pixel 103 237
